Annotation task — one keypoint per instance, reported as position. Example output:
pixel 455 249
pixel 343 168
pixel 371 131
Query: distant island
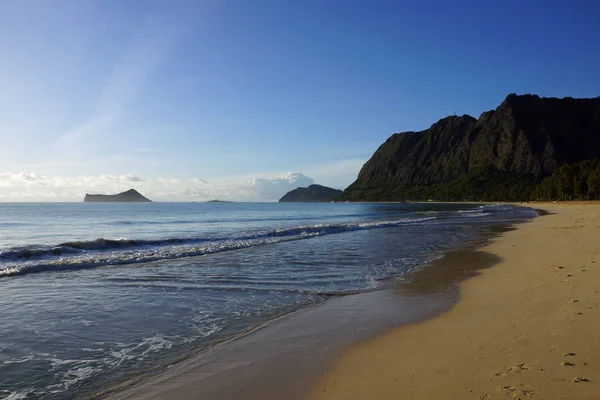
pixel 316 193
pixel 130 196
pixel 528 148
pixel 219 201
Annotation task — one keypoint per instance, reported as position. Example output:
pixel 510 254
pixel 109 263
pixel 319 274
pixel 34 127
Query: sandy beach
pixel 526 328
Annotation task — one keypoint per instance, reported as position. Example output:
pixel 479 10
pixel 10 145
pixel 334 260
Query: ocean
pixel 94 293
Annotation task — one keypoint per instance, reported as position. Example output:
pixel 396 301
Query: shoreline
pixel 526 328
pixel 308 341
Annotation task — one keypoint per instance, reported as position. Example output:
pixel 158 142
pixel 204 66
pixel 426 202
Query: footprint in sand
pixel 577 380
pixel 567 364
pixel 519 368
pixel 517 391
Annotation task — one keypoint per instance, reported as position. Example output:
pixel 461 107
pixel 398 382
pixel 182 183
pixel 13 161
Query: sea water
pixel 94 293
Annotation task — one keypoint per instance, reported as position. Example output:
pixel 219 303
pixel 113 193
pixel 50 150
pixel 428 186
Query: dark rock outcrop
pixel 526 136
pixel 311 193
pixel 130 196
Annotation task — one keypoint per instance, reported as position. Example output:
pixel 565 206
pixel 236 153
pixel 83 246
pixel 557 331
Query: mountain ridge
pixel 526 137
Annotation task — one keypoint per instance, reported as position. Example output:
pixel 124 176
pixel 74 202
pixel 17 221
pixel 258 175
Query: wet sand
pixel 283 359
pixel 527 328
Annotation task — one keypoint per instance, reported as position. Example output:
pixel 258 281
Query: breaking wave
pixel 106 252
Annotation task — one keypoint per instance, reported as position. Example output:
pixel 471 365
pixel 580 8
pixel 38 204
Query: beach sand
pixel 527 328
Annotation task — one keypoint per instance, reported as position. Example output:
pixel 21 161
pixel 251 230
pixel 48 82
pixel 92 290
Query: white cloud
pixel 274 187
pixel 21 180
pixel 264 187
pixel 261 187
pixel 42 195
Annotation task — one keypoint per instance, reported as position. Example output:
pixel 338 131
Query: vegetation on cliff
pixel 579 181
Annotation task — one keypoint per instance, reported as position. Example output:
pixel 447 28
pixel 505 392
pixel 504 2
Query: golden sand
pixel 527 328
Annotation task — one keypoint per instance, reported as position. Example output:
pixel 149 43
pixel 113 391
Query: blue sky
pixel 244 100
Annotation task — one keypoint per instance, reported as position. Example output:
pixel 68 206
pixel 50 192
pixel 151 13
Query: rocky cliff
pixel 526 137
pixel 130 196
pixel 311 193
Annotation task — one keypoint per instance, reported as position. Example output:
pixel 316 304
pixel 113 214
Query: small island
pixel 130 196
pixel 313 193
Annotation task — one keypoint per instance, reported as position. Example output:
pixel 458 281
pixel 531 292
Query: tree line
pixel 579 181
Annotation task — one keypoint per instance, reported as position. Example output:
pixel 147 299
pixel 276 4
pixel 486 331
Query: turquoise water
pixel 91 293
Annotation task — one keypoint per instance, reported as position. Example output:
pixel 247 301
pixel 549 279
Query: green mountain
pixel 503 155
pixel 311 193
pixel 130 196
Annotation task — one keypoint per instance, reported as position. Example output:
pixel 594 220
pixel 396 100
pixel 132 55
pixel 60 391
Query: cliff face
pixel 525 135
pixel 311 193
pixel 130 196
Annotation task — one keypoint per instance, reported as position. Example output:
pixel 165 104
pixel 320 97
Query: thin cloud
pixel 10 180
pixel 47 164
pixel 168 181
pixel 133 179
pixel 147 52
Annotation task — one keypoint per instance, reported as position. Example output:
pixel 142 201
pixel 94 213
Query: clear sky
pixel 244 100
